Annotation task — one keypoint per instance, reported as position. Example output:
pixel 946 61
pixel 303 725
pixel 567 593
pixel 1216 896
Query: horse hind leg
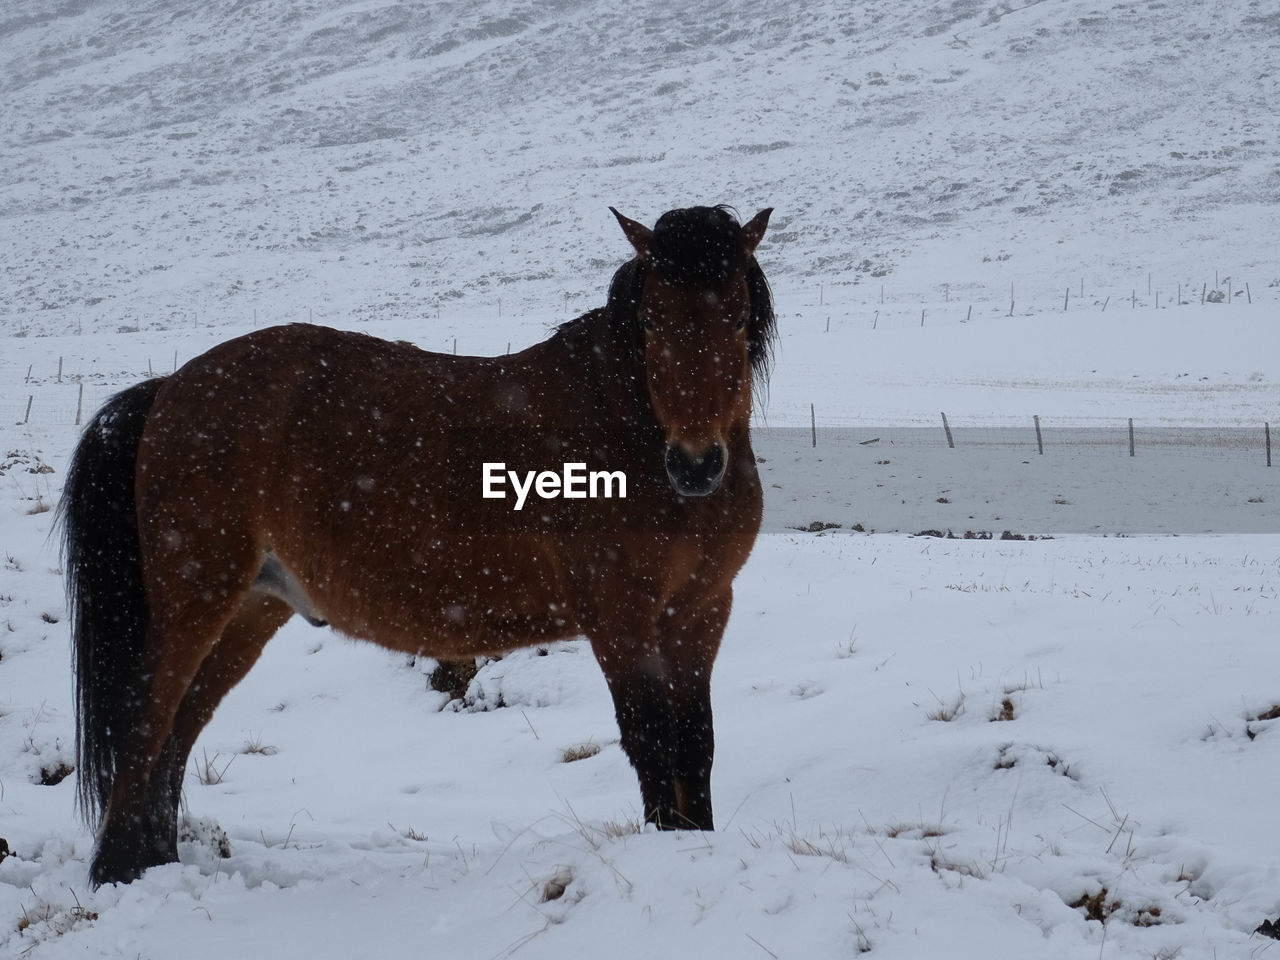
pixel 139 820
pixel 235 653
pixel 238 649
pixel 140 828
pixel 188 620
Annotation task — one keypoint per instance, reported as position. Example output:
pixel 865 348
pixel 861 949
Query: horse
pixel 302 469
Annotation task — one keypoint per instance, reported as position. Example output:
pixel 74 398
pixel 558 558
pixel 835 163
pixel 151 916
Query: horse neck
pixel 604 374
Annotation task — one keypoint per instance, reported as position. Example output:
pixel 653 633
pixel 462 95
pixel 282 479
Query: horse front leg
pixel 692 634
pixel 638 681
pixel 661 687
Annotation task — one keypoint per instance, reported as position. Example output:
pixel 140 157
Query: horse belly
pixel 450 599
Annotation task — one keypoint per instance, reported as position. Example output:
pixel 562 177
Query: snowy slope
pixel 168 163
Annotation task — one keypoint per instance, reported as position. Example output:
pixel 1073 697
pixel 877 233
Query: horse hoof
pixel 102 873
pixel 127 862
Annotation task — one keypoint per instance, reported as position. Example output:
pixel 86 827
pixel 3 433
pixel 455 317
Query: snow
pixel 926 746
pixel 379 824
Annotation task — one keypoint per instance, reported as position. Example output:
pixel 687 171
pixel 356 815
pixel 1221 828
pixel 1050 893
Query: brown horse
pixel 303 469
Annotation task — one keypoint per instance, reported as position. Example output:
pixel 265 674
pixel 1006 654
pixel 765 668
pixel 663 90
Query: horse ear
pixel 753 230
pixel 639 235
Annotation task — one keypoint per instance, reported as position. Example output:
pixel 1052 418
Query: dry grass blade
pixel 947 711
pixel 254 745
pixel 207 771
pixel 581 751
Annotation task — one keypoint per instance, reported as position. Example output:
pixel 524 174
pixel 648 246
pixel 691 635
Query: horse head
pixel 704 309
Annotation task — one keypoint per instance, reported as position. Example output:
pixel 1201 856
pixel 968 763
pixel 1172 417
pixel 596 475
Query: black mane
pixel 702 247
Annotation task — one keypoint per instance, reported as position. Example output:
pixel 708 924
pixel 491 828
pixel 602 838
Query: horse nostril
pixel 698 477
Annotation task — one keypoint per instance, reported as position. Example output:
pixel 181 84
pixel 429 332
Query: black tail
pixel 100 549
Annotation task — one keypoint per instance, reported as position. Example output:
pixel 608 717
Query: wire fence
pixel 1038 437
pixel 71 400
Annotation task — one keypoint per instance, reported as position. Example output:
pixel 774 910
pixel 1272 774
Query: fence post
pixel 1131 436
pixel 80 403
pixel 813 425
pixel 27 418
pixel 947 428
pixel 1266 427
pixel 1039 438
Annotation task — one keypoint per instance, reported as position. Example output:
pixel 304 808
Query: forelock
pixel 702 246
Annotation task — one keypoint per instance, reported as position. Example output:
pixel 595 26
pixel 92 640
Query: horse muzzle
pixel 699 477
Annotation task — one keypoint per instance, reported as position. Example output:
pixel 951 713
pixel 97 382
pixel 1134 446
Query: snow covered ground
pixel 926 747
pixel 1060 748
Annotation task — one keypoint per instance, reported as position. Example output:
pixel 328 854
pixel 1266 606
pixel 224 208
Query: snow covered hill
pixel 172 163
